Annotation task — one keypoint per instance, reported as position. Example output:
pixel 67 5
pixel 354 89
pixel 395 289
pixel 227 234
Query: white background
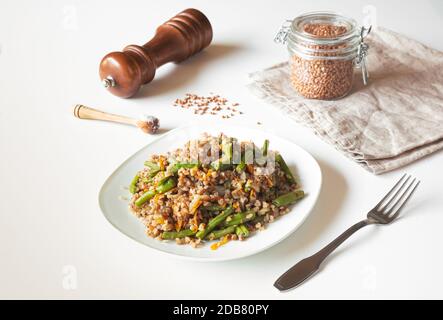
pixel 52 165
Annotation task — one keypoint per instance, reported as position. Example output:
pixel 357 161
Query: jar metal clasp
pixel 283 32
pixel 362 53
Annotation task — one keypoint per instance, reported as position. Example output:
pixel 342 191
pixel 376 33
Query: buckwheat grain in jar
pixel 325 49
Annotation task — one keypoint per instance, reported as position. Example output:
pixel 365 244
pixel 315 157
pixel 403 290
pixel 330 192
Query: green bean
pixel 161 188
pixel 288 198
pixel 224 163
pixel 163 180
pixel 219 166
pixel 152 165
pixel 227 151
pixel 171 235
pixel 152 174
pixel 179 165
pixel 213 208
pixel 214 222
pixel 166 186
pixel 279 159
pixel 242 230
pixel 241 167
pixel 248 186
pixel 245 230
pixel 147 180
pixel 265 148
pixel 133 185
pixel 153 168
pixel 261 155
pixel 216 234
pixel 148 195
pixel 240 218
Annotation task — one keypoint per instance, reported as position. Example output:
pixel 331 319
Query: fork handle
pixel 308 266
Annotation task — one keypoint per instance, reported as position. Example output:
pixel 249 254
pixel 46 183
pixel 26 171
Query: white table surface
pixel 54 241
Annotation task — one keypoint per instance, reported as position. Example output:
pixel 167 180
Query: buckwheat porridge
pixel 213 188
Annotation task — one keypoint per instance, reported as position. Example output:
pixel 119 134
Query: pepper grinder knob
pixel 123 73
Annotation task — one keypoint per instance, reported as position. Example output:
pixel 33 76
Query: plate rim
pixel 212 259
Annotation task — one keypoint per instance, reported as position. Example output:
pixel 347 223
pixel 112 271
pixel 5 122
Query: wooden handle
pixel 83 112
pixel 122 73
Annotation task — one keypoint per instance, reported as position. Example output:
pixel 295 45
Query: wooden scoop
pixel 148 124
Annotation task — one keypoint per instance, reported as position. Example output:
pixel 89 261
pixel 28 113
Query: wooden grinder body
pixel 123 73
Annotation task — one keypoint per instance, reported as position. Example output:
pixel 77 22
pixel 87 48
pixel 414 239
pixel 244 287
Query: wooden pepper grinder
pixel 122 73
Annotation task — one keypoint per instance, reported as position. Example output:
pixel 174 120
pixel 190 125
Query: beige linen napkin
pixel 395 120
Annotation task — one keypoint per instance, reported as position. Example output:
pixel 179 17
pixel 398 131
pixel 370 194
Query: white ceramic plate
pixel 302 164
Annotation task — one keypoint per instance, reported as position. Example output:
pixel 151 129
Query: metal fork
pixel 383 213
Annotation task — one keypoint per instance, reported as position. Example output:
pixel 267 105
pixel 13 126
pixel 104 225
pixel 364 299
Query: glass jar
pixel 324 49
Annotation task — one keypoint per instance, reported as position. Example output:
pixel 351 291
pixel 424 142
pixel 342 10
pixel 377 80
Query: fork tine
pixel 395 215
pixel 397 196
pixel 389 193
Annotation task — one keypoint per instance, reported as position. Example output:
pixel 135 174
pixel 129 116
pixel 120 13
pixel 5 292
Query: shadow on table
pixel 331 197
pixel 185 72
pixel 163 130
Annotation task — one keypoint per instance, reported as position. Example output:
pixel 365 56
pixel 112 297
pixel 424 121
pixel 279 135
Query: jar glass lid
pixel 326 28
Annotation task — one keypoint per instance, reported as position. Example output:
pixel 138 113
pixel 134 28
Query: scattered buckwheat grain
pixel 213 104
